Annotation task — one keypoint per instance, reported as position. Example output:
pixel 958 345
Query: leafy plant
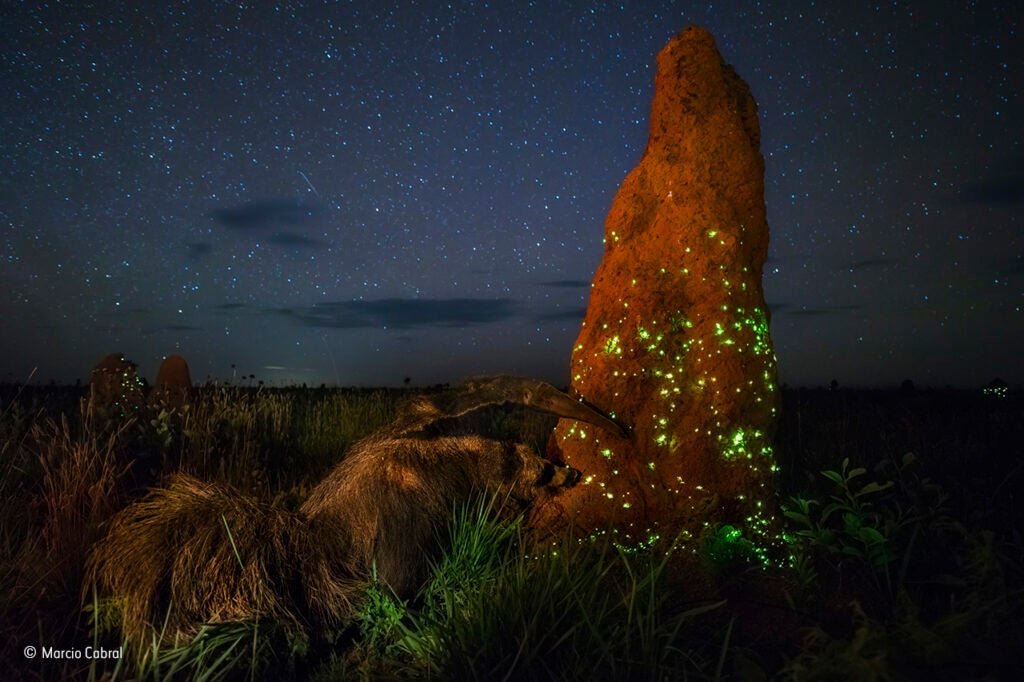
pixel 726 548
pixel 164 427
pixel 380 618
pixel 871 523
pixel 857 532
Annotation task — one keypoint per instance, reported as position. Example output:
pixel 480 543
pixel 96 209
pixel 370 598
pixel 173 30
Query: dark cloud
pixel 1004 187
pixel 231 306
pixel 197 250
pixel 805 311
pixel 577 313
pixel 809 312
pixel 1014 267
pixel 295 240
pixel 566 283
pixel 172 328
pixel 403 313
pixel 1004 191
pixel 264 214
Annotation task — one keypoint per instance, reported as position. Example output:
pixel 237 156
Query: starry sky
pixel 361 192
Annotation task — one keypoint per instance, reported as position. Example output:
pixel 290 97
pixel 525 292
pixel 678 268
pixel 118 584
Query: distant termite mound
pixel 115 388
pixel 173 383
pixel 675 341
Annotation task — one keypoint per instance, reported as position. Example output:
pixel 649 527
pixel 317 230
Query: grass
pixel 498 608
pixel 903 566
pixel 264 439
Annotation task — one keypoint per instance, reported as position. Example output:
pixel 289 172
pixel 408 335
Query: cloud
pixel 577 314
pixel 804 311
pixel 566 283
pixel 1013 266
pixel 402 313
pixel 809 312
pixel 295 240
pixel 171 328
pixel 1004 188
pixel 1001 191
pixel 271 213
pixel 196 250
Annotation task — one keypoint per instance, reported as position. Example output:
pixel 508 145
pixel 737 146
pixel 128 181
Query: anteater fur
pixel 194 552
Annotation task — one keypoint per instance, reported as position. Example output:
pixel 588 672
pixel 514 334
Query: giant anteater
pixel 194 552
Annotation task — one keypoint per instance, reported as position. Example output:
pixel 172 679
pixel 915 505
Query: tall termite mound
pixel 675 341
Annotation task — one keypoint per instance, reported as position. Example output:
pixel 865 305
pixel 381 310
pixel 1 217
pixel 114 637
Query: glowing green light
pixel 611 346
pixel 996 391
pixel 678 370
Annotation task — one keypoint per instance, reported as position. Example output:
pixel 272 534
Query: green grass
pixel 498 608
pixel 902 566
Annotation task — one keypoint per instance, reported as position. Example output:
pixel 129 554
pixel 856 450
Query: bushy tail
pixel 195 552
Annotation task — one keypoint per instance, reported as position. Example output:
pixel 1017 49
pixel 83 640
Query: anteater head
pixel 555 476
pixel 481 392
pixel 528 474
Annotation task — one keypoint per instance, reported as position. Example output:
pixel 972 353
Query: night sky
pixel 352 195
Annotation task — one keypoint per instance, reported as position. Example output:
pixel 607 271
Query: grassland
pixel 902 508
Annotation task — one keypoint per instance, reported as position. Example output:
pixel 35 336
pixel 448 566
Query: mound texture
pixel 675 339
